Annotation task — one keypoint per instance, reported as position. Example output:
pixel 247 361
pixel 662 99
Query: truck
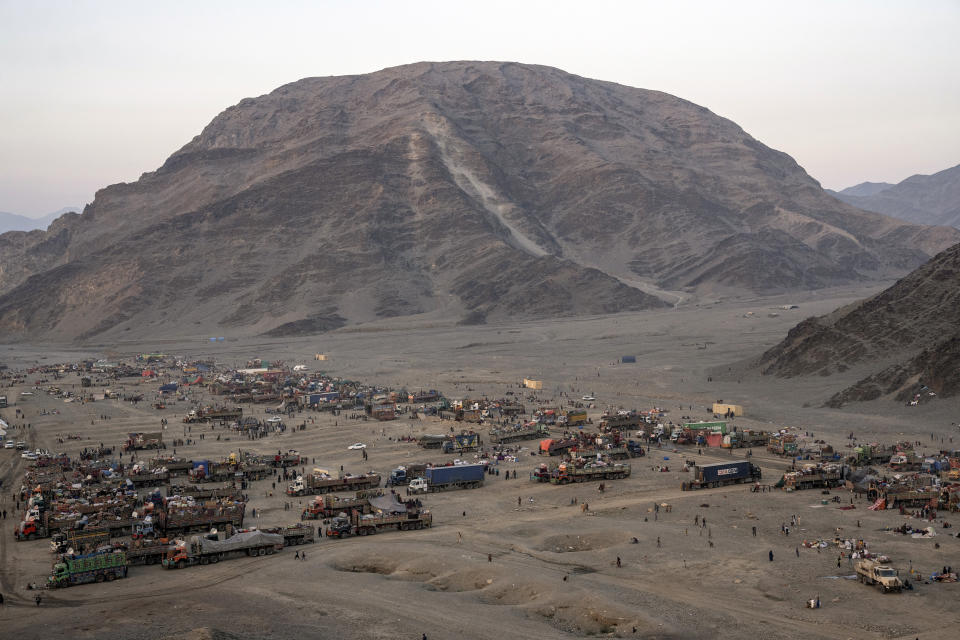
pixel 147 551
pixel 814 477
pixel 404 474
pixel 138 441
pixel 3 402
pixel 328 505
pixel 620 421
pixel 174 466
pixel 566 472
pixel 92 567
pixel 458 476
pixel 295 534
pixel 289 459
pixel 872 454
pixel 214 414
pixel 204 493
pixel 462 442
pixel 362 525
pixel 208 550
pixel 78 541
pixel 503 435
pixel 44 525
pixel 149 478
pixel 722 473
pixel 556 447
pixel 575 417
pixel 210 471
pixel 432 441
pixel 873 573
pixel 324 483
pixel 176 520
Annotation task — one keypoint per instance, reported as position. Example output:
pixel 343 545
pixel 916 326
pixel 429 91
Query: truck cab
pixel 339 526
pixel 419 485
pixel 298 487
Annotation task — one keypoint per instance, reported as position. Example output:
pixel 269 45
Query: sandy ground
pixel 553 571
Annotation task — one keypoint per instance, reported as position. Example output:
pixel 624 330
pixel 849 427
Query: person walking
pixel 771 555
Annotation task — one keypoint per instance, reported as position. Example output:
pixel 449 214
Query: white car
pixel 8 444
pixel 588 398
pixel 357 445
pixel 29 455
pixel 275 420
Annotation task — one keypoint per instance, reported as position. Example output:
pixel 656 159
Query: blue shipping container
pixel 456 473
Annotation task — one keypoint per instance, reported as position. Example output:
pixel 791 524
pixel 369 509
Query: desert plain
pixel 517 559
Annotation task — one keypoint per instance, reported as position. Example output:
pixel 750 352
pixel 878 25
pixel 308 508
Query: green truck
pixel 92 567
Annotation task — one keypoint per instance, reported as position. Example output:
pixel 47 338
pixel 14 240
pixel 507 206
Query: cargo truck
pixel 825 477
pixel 323 483
pixel 575 417
pixel 620 421
pixel 566 472
pixel 873 573
pixel 93 567
pixel 405 474
pixel 151 551
pixel 203 550
pixel 556 447
pixel 362 525
pixel 174 466
pixel 432 441
pixel 462 442
pixel 328 506
pixel 214 414
pixel 295 534
pixel 289 459
pixel 722 473
pixel 459 476
pixel 45 525
pixel 180 521
pixel 503 435
pixel 204 493
pixel 138 441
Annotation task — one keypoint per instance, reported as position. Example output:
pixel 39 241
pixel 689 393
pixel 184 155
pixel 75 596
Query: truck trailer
pixel 327 506
pixel 722 473
pixel 458 476
pixel 362 525
pixel 503 435
pixel 203 550
pixel 565 473
pixel 324 483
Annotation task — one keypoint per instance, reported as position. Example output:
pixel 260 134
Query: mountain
pixel 470 190
pixel 906 337
pixel 921 199
pixel 866 189
pixel 14 222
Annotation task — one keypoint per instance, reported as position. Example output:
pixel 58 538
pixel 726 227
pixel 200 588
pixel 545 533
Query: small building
pixel 628 360
pixel 728 410
pixel 533 384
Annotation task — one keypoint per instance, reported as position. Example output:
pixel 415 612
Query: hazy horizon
pixel 97 93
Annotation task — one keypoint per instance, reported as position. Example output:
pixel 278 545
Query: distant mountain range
pixel 921 199
pixel 473 191
pixel 14 222
pixel 907 335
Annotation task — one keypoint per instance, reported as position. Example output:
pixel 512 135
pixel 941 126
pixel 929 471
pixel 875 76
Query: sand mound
pixel 570 543
pixel 467 580
pixel 411 567
pixel 512 593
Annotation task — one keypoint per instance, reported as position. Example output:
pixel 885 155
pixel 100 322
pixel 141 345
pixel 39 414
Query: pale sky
pixel 94 93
